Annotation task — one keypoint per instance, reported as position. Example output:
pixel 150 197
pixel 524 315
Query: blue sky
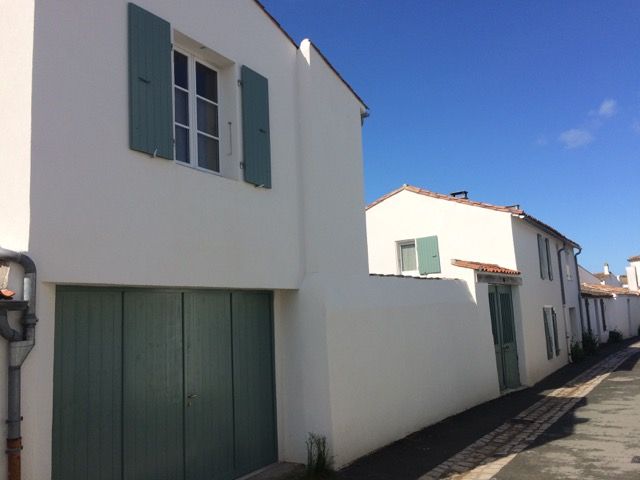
pixel 536 103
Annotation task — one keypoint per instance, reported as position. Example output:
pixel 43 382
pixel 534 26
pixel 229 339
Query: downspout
pixel 564 300
pixel 20 344
pixel 575 257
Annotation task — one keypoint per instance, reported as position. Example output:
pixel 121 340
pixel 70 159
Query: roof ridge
pixel 474 203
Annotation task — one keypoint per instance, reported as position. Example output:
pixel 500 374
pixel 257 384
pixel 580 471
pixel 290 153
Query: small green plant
pixel 319 462
pixel 615 336
pixel 577 353
pixel 589 343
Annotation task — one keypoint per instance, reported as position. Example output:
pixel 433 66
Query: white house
pixel 524 271
pixel 608 305
pixel 186 182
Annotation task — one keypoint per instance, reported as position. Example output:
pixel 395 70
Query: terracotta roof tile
pixel 7 294
pixel 465 201
pixel 635 258
pixel 604 290
pixel 484 267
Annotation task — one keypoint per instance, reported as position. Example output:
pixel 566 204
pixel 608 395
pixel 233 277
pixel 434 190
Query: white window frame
pixel 399 255
pixel 192 101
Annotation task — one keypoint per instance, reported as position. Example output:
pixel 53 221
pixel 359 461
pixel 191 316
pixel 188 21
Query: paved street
pixel 598 440
pixel 584 428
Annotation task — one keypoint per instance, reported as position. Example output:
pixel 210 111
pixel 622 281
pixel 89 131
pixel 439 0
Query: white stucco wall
pixel 464 232
pixel 132 219
pixel 400 354
pixel 535 294
pixel 16 49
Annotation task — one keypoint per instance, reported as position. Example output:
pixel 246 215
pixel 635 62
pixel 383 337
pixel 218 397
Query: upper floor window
pixel 175 109
pixel 544 257
pixel 196 131
pixel 419 256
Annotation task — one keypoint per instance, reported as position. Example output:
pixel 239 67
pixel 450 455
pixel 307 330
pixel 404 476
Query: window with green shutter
pixel 255 128
pixel 428 255
pixel 150 101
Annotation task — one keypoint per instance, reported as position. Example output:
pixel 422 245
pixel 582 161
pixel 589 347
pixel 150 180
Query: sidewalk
pixel 479 442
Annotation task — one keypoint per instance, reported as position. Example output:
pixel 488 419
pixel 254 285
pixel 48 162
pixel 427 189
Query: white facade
pixel 363 360
pixel 470 231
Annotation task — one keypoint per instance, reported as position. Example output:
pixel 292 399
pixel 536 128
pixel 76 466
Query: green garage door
pixel 160 384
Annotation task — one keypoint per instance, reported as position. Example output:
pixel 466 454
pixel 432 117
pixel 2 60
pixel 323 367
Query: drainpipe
pixel 575 257
pixel 20 344
pixel 564 300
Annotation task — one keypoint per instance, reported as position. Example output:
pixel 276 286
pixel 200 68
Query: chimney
pixel 632 279
pixel 606 269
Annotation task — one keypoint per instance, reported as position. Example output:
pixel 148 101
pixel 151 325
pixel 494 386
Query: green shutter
pixel 549 268
pixel 541 258
pixel 555 331
pixel 547 333
pixel 428 255
pixel 87 385
pixel 255 128
pixel 150 105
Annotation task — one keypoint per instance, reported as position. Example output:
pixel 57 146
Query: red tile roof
pixel 517 212
pixel 635 258
pixel 7 294
pixel 484 267
pixel 591 289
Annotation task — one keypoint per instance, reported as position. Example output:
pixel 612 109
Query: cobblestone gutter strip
pixel 484 458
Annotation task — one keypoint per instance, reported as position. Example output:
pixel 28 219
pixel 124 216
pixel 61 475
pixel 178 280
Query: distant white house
pixel 608 304
pixel 524 270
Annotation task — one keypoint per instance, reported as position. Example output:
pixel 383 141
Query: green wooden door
pixel 162 385
pixel 253 381
pixel 87 388
pixel 504 335
pixel 209 386
pixel 153 390
pixel 495 329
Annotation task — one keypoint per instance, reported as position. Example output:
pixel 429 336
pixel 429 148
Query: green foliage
pixel 589 343
pixel 319 463
pixel 577 353
pixel 615 336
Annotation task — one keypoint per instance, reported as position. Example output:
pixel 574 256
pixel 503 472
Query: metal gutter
pixel 20 345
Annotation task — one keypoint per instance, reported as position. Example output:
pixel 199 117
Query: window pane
pixel 207 117
pixel 180 76
pixel 208 153
pixel 182 144
pixel 408 257
pixel 181 107
pixel 206 82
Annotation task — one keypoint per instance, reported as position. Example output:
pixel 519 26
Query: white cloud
pixel 607 108
pixel 575 138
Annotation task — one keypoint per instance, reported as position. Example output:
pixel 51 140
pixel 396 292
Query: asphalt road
pixel 600 439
